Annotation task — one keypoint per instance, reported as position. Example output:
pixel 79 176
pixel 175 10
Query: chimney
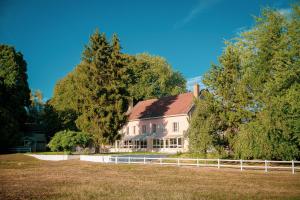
pixel 196 90
pixel 130 106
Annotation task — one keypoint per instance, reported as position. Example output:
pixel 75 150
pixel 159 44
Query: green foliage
pixel 153 77
pixel 94 96
pixel 102 80
pixel 256 88
pixel 14 95
pixel 67 140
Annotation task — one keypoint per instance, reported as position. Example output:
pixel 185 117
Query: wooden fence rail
pixel 265 165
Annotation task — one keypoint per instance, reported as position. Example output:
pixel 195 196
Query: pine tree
pixel 102 83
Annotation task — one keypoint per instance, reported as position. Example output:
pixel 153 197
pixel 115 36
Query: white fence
pixel 266 165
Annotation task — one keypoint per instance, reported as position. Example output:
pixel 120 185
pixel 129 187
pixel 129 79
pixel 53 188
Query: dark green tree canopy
pixel 14 95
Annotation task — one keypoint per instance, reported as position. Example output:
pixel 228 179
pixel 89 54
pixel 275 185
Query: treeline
pixel 251 108
pixel 95 96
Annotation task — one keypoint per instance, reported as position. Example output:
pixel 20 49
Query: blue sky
pixel 190 34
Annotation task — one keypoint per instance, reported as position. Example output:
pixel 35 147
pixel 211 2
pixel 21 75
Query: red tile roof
pixel 166 106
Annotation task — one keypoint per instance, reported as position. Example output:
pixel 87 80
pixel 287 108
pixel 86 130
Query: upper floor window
pixel 134 130
pixel 175 126
pixel 160 128
pixel 144 129
pixel 153 128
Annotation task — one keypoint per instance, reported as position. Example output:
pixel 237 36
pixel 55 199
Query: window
pixel 157 143
pixel 173 143
pixel 153 128
pixel 130 144
pixel 175 126
pixel 126 144
pixel 167 144
pixel 179 144
pixel 136 144
pixel 161 128
pixel 134 130
pixel 143 144
pixel 144 129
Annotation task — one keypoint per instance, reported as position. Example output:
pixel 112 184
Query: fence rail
pixel 265 165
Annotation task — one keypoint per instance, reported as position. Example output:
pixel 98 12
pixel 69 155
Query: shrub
pixel 67 140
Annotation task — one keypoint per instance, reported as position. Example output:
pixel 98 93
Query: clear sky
pixel 190 34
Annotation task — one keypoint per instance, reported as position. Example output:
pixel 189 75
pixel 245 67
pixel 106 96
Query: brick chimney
pixel 196 90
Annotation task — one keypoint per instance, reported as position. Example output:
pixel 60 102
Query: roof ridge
pixel 164 97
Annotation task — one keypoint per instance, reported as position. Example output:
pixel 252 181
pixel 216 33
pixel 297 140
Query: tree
pixel 256 86
pixel 35 109
pixel 153 77
pixel 102 82
pixel 14 95
pixel 203 124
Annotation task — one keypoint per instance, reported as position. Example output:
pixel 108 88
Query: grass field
pixel 24 177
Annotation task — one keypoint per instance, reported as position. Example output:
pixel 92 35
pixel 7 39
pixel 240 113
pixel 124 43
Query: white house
pixel 158 125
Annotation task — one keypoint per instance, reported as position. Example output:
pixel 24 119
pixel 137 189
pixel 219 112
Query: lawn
pixel 24 177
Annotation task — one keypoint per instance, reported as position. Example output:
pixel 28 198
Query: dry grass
pixel 24 177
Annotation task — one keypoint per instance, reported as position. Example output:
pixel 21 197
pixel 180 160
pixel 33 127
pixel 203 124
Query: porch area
pixel 140 143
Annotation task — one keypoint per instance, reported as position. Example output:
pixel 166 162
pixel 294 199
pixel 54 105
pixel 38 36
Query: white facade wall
pixel 164 130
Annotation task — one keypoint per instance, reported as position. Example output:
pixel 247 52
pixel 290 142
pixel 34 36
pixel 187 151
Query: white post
pixel 266 166
pixel 241 161
pixel 218 163
pixel 293 167
pixel 178 161
pixel 116 159
pixel 129 160
pixel 197 162
pixel 144 160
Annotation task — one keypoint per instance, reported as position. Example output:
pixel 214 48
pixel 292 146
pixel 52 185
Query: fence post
pixel 266 166
pixel 144 160
pixel 241 161
pixel 293 167
pixel 218 163
pixel 116 159
pixel 197 162
pixel 129 160
pixel 178 161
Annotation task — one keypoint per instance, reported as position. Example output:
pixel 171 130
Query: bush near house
pixel 67 140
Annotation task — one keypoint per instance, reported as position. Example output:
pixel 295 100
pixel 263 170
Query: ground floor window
pixel 179 142
pixel 128 144
pixel 174 143
pixel 158 143
pixel 143 144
